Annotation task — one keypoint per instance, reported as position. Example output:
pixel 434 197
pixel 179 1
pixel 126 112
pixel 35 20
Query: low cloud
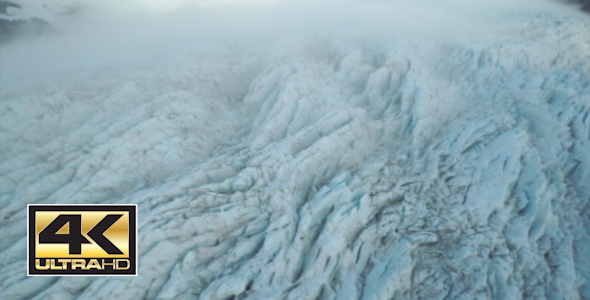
pixel 112 32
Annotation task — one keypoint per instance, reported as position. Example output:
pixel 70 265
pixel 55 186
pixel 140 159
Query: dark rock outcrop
pixel 11 29
pixel 585 4
pixel 4 5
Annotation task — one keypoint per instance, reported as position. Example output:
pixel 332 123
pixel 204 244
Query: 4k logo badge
pixel 82 240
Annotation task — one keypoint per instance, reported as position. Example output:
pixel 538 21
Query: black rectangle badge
pixel 98 240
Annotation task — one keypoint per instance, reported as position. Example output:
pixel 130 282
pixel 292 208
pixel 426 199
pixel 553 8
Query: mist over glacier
pixel 307 150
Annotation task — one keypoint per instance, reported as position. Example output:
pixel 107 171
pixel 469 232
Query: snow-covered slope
pixel 386 167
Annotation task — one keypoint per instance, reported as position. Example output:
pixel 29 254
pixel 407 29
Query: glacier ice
pixel 404 168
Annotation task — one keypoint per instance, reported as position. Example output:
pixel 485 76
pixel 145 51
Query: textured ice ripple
pixel 420 170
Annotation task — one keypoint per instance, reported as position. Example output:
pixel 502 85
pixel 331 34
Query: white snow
pixel 385 166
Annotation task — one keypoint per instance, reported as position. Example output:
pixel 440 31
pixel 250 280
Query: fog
pixel 111 33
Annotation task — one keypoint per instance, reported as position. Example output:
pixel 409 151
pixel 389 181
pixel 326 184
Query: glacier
pixel 373 167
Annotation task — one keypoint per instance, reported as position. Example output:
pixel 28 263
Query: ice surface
pixel 403 168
